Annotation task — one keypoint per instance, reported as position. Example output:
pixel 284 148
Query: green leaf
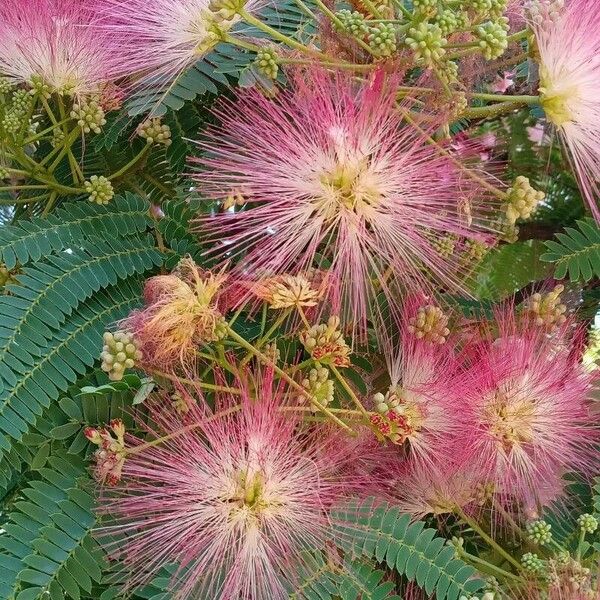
pixel 377 530
pixel 576 253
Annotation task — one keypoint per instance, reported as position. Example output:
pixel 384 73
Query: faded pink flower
pixel 160 39
pixel 536 133
pixel 503 82
pixel 55 42
pixel 530 420
pixel 331 176
pixel 569 51
pixel 234 501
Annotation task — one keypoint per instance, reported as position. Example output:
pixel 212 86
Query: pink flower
pixel 569 51
pixel 536 133
pixel 234 500
pixel 530 421
pixel 161 39
pixel 331 176
pixel 426 389
pixel 503 82
pixel 54 42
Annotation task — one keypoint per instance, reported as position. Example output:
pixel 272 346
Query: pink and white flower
pixel 569 56
pixel 529 417
pixel 332 176
pixel 56 42
pixel 234 499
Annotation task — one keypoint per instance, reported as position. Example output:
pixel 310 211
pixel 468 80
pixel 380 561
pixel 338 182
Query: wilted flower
pixel 328 166
pixel 55 43
pixel 569 55
pixel 180 314
pixel 233 502
pixel 288 291
pixel 110 456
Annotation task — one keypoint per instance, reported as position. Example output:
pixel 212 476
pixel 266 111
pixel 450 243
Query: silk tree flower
pixel 181 312
pixel 234 501
pixel 163 38
pixel 569 57
pixel 424 404
pixel 331 176
pixel 529 420
pixel 54 44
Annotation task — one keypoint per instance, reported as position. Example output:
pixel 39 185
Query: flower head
pixel 234 502
pixel 55 44
pixel 289 291
pixel 424 402
pixel 529 419
pixel 569 56
pixel 328 166
pixel 180 313
pixel 161 39
pixel 110 456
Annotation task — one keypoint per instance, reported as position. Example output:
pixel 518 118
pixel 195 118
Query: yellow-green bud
pixel 100 189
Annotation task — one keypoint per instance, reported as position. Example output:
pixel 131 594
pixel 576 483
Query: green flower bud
pixel 493 38
pixel 318 386
pixel 39 87
pixel 154 132
pixel 427 42
pixel 89 115
pixel 539 532
pixel 425 9
pixel 119 352
pixel 382 39
pixel 532 563
pixel 266 63
pixel 352 22
pixel 522 200
pixel 5 85
pixel 100 189
pixel 587 523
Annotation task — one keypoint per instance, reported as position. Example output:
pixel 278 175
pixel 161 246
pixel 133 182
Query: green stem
pixel 231 39
pixel 48 110
pixel 350 392
pixel 41 134
pixel 199 384
pixel 489 567
pixel 267 336
pixel 518 35
pixel 10 188
pixel 69 140
pixel 486 112
pixel 252 20
pixel 50 204
pixel 265 359
pixel 580 543
pixel 488 539
pixel 306 10
pixel 532 100
pixel 131 163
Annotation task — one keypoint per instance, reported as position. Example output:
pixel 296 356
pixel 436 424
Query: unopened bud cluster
pixel 352 22
pixel 382 39
pixel 532 563
pixel 587 523
pixel 119 352
pixel 493 38
pixel 89 115
pixel 430 324
pixel 547 309
pixel 522 200
pixel 445 245
pixel 544 12
pixel 266 63
pixel 155 132
pixel 110 456
pixel 319 387
pixel 539 532
pixel 391 401
pixel 100 189
pixel 425 8
pixel 5 85
pixel 475 251
pixel 16 118
pixel 39 87
pixel 427 42
pixel 326 343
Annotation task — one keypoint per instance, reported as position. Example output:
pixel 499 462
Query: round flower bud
pixel 587 523
pixel 89 115
pixel 154 132
pixel 382 39
pixel 539 532
pixel 532 563
pixel 493 38
pixel 100 189
pixel 266 62
pixel 352 22
pixel 119 352
pixel 427 42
